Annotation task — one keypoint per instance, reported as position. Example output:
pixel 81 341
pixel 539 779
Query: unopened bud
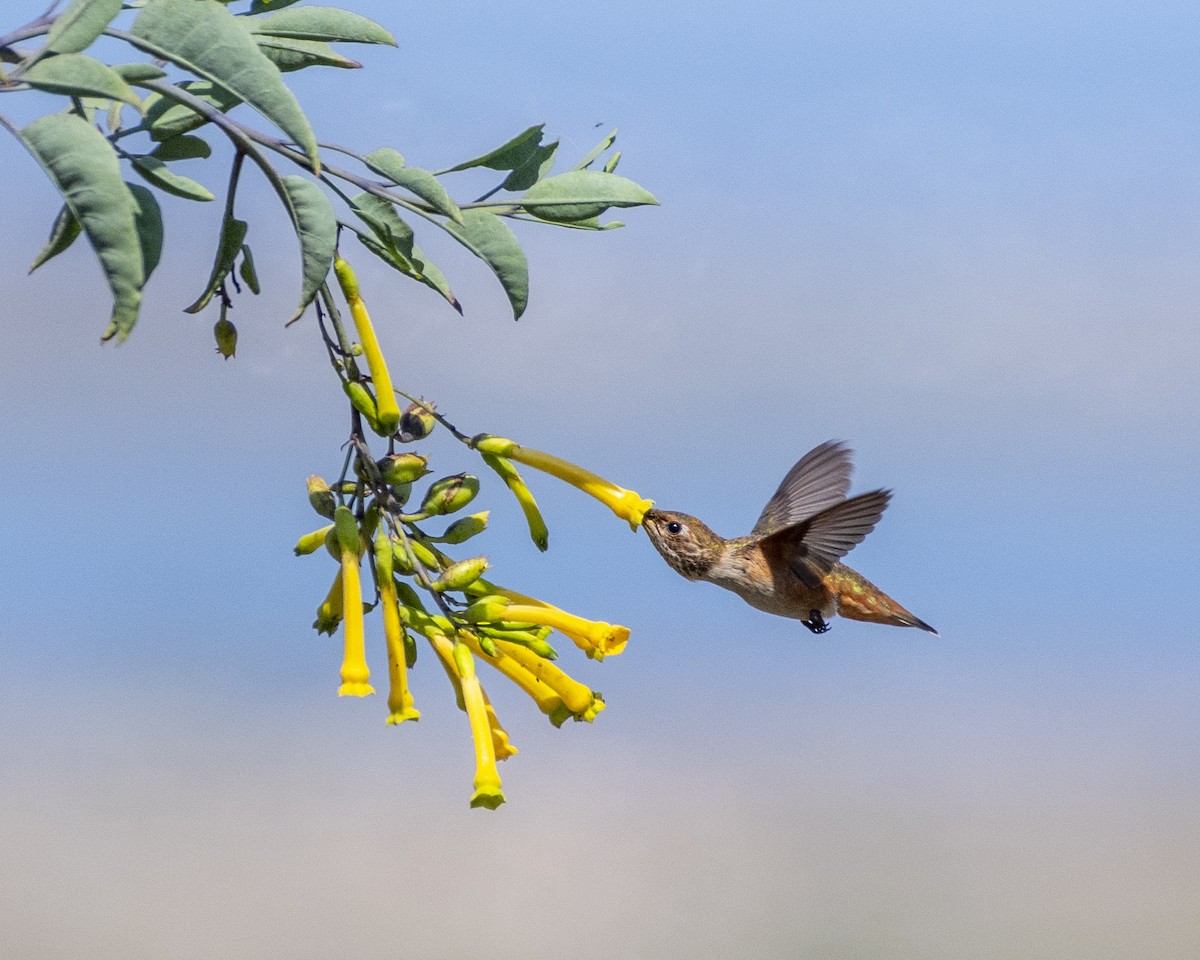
pixel 320 496
pixel 416 423
pixel 346 528
pixel 496 446
pixel 401 468
pixel 311 542
pixel 450 494
pixel 460 575
pixel 462 530
pixel 225 333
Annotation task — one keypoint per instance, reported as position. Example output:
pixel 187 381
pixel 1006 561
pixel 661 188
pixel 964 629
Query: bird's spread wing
pixel 819 480
pixel 812 548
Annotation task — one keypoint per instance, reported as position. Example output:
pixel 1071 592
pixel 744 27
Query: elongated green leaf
pixel 147 216
pixel 421 183
pixel 321 23
pixel 206 39
pixel 246 270
pixel 590 157
pixel 83 167
pixel 270 6
pixel 535 166
pixel 590 193
pixel 432 278
pixel 62 234
pixel 395 245
pixel 233 232
pixel 288 54
pixel 507 156
pixel 316 229
pixel 183 148
pixel 167 119
pixel 136 72
pixel 490 239
pixel 154 171
pixel 78 75
pixel 80 24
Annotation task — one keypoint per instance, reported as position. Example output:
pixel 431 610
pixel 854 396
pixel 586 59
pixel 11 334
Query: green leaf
pixel 590 193
pixel 536 165
pixel 183 148
pixel 166 119
pixel 153 170
pixel 490 239
pixel 270 6
pixel 138 72
pixel 288 54
pixel 147 216
pixel 83 167
pixel 78 75
pixel 421 183
pixel 507 156
pixel 233 232
pixel 247 272
pixel 316 229
pixel 206 39
pixel 77 27
pixel 62 234
pixel 321 23
pixel 590 157
pixel 395 244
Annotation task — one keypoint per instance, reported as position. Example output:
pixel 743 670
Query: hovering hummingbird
pixel 790 563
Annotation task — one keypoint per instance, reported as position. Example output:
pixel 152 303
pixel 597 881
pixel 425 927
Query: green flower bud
pixel 450 494
pixel 384 556
pixel 364 403
pixel 401 491
pixel 321 497
pixel 311 542
pixel 225 333
pixel 346 528
pixel 485 610
pixel 462 530
pixel 416 423
pixel 401 468
pixel 496 446
pixel 460 575
pixel 400 562
pixel 332 544
pixel 532 639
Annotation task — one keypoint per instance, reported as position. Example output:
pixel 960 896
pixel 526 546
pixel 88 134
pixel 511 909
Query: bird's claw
pixel 815 622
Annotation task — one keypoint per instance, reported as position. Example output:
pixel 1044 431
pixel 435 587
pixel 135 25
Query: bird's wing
pixel 819 480
pixel 812 548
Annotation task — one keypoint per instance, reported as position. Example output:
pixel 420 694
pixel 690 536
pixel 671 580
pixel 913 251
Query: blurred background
pixel 964 238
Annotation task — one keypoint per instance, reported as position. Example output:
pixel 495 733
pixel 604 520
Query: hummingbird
pixel 790 563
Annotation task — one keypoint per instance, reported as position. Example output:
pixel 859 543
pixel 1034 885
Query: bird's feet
pixel 815 622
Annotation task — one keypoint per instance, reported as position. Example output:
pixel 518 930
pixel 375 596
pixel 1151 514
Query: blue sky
pixel 964 240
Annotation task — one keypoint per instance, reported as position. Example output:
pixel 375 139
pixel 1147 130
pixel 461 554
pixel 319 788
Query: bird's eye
pixel 674 527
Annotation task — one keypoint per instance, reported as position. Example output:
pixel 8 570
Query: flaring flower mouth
pixel 626 504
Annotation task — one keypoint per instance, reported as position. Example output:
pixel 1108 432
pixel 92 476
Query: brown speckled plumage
pixel 790 564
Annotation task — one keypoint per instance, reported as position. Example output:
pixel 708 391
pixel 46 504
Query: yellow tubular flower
pixel 400 701
pixel 579 700
pixel 533 516
pixel 355 672
pixel 542 694
pixel 385 396
pixel 626 504
pixel 488 792
pixel 594 637
pixel 444 649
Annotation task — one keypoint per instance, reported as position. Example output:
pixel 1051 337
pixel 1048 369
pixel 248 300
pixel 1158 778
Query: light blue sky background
pixel 967 240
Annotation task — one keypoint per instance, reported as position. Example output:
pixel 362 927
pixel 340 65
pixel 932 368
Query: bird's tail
pixel 859 599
